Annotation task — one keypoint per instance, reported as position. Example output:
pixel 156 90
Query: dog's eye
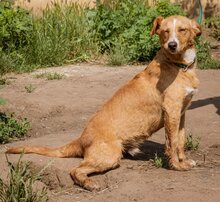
pixel 183 30
pixel 166 31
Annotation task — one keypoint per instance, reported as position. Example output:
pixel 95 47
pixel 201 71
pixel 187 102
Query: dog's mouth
pixel 171 51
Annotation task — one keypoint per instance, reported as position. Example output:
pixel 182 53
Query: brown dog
pixel 156 97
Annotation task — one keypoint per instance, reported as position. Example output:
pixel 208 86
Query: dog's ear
pixel 156 25
pixel 196 28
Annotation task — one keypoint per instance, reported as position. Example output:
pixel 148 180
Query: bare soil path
pixel 59 109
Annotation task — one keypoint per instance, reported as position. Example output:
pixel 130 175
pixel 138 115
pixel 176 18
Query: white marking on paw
pixel 189 55
pixel 134 151
pixel 192 163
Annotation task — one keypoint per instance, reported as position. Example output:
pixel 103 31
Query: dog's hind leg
pixel 98 158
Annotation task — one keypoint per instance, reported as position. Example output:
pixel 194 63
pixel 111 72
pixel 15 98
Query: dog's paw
pixel 91 185
pixel 191 162
pixel 188 164
pixel 183 165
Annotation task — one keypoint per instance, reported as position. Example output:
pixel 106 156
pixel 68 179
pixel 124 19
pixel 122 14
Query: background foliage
pixel 71 33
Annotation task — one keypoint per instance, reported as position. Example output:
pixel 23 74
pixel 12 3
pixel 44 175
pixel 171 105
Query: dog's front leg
pixel 172 123
pixel 175 138
pixel 181 145
pixel 185 163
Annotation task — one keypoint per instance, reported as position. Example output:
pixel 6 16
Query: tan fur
pixel 154 98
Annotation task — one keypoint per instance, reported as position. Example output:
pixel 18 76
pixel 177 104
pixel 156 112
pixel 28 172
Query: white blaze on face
pixel 173 35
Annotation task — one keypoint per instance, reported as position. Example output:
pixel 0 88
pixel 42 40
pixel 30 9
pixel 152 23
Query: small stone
pixel 130 166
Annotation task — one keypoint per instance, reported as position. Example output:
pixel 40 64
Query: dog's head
pixel 176 33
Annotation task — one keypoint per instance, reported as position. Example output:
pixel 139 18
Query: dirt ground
pixel 59 109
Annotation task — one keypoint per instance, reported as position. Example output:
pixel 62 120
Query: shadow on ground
pixel 208 101
pixel 148 150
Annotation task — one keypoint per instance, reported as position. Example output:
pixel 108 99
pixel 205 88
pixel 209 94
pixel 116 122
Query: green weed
pixel 50 76
pixel 191 142
pixel 158 161
pixel 2 101
pixel 12 128
pixel 19 186
pixel 3 81
pixel 30 88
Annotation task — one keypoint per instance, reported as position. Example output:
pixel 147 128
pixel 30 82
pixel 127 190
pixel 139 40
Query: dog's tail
pixel 73 149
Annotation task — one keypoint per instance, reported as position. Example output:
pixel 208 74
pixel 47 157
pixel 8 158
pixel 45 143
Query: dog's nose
pixel 172 45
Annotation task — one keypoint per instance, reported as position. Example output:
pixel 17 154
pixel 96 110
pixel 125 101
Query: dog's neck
pixel 183 60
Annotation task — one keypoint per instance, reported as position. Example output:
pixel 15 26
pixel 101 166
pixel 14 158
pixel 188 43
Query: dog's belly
pixel 140 126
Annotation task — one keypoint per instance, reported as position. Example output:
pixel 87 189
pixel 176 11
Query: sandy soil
pixel 59 109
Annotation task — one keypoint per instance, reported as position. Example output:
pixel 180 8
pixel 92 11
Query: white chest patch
pixel 190 55
pixel 191 91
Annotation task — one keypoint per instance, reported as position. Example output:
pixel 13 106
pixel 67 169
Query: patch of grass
pixel 204 57
pixel 60 36
pixel 30 88
pixel 2 101
pixel 192 143
pixel 3 81
pixel 117 57
pixel 213 23
pixel 19 187
pixel 50 76
pixel 12 128
pixel 158 161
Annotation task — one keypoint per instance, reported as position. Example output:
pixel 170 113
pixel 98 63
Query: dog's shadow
pixel 203 102
pixel 148 150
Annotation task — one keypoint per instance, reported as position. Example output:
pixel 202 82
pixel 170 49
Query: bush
pixel 71 33
pixel 204 57
pixel 127 25
pixel 59 36
pixel 11 128
pixel 15 27
pixel 20 184
pixel 214 24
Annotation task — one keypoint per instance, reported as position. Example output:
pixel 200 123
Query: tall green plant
pixel 20 184
pixel 60 35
